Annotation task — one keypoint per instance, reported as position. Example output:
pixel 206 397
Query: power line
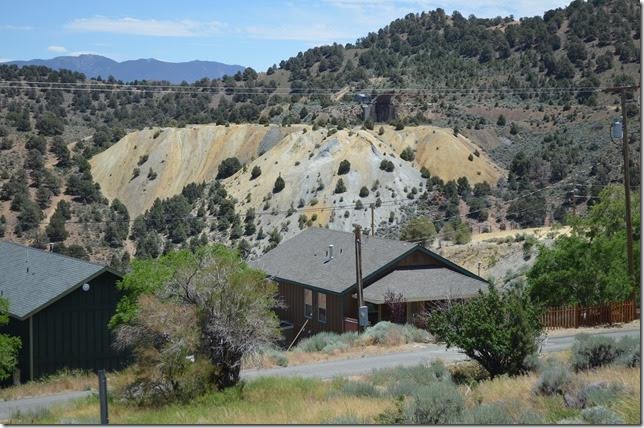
pixel 305 89
pixel 310 92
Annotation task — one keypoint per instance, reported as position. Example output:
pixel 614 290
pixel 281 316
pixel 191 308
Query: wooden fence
pixel 588 316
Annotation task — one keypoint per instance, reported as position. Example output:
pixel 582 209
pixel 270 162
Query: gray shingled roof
pixel 303 259
pixel 418 285
pixel 31 279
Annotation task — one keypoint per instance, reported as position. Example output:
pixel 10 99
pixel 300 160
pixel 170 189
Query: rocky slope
pixel 306 159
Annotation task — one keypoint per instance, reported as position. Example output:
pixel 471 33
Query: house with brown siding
pixel 316 274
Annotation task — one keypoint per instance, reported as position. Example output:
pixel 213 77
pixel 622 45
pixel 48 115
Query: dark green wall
pixel 72 332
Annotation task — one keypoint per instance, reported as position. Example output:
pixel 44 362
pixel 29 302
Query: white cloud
pixel 145 27
pixel 55 48
pixel 9 27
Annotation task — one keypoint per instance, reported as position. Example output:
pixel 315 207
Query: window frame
pixel 308 314
pixel 320 308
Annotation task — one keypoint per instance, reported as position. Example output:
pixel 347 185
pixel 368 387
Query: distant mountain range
pixel 140 69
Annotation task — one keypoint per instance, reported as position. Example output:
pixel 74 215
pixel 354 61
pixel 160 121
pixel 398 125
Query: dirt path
pixel 539 232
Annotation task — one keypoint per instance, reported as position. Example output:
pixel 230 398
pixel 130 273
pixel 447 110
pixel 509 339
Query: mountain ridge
pixel 139 69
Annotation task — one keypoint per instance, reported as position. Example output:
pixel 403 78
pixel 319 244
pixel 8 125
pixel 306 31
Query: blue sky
pixel 254 33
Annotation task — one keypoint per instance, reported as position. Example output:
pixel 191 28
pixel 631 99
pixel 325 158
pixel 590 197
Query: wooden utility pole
pixel 358 248
pixel 373 222
pixel 627 193
pixel 627 181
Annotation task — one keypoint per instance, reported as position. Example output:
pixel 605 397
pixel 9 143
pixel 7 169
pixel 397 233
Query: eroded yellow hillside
pixel 307 160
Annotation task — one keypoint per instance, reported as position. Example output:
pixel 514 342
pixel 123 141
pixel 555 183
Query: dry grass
pixel 263 401
pixel 57 383
pixel 277 400
pixel 516 394
pixel 635 324
pixel 296 358
pixel 64 381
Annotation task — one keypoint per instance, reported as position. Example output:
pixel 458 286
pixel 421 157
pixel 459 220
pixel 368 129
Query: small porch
pixel 405 294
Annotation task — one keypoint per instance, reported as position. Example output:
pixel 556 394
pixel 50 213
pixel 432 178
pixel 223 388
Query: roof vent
pixel 331 255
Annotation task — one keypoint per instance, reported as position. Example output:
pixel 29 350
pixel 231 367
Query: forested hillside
pixel 527 92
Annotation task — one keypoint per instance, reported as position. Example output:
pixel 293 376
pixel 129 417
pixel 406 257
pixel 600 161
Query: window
pixel 308 303
pixel 321 307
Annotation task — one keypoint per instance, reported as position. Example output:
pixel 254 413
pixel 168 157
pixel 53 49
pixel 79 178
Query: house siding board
pixel 418 258
pixel 88 343
pixel 339 306
pixel 293 298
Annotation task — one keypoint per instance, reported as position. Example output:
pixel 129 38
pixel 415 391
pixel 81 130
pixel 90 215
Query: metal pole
pixel 373 223
pixel 102 396
pixel 627 194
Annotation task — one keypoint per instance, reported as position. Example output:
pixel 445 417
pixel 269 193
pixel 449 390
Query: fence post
pixel 102 396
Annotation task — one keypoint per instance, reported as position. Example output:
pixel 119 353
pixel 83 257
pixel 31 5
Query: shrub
pixel 486 414
pixel 529 417
pixel 592 351
pixel 340 187
pixel 348 419
pixel 571 421
pixel 279 185
pixel 387 333
pixel 509 314
pixel 344 168
pixel 414 334
pixel 553 379
pixel 277 357
pixel 468 373
pixel 438 403
pixel 320 341
pixel 532 363
pixel 384 333
pixel 629 352
pixel 360 389
pixel 255 172
pixel 408 154
pixel 228 167
pixel 599 415
pixel 335 347
pixel 395 416
pixel 599 393
pixel 364 192
pixel 406 380
pixel 386 165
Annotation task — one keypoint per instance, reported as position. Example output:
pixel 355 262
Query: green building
pixel 59 306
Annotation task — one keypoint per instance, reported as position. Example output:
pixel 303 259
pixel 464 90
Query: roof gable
pixel 31 279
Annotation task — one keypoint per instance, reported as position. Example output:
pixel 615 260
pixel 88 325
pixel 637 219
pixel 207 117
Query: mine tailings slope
pixel 307 160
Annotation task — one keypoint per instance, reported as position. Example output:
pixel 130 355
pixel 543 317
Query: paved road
pixel 324 370
pixel 33 404
pixel 357 366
